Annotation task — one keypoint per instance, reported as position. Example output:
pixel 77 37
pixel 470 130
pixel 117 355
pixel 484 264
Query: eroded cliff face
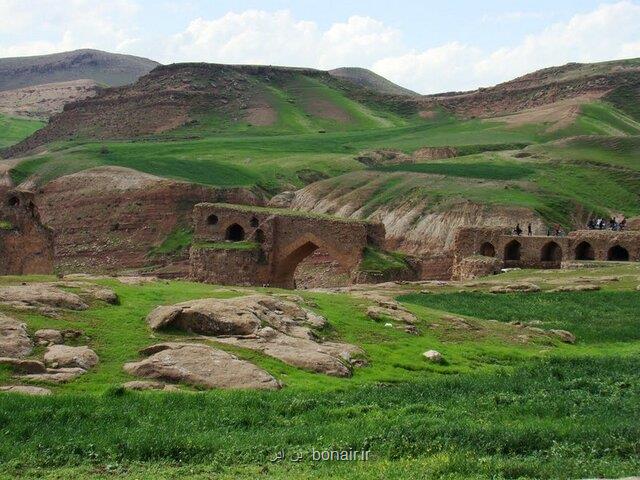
pixel 109 218
pixel 413 224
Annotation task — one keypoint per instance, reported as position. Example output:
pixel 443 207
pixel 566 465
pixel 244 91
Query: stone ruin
pixel 243 245
pixel 26 245
pixel 482 250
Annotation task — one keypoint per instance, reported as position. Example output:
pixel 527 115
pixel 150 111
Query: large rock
pixel 433 356
pixel 329 358
pixel 14 340
pixel 516 287
pixel 48 336
pixel 55 375
pixel 234 316
pixel 25 390
pixel 276 326
pixel 200 365
pixel 564 336
pixel 23 366
pixel 41 295
pixel 58 356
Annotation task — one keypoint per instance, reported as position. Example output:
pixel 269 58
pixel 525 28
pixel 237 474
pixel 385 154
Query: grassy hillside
pixel 368 79
pixel 12 130
pixel 502 405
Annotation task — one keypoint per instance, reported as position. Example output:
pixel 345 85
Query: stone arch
pixel 212 219
pixel 584 251
pixel 286 264
pixel 618 253
pixel 551 252
pixel 487 249
pixel 512 251
pixel 259 235
pixel 234 232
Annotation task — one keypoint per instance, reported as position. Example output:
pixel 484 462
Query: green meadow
pixel 498 407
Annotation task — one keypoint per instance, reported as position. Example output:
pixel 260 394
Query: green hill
pixel 368 79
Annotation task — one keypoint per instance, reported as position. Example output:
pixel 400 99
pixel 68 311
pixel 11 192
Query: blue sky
pixel 424 45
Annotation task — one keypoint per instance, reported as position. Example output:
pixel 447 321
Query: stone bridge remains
pixel 512 251
pixel 242 245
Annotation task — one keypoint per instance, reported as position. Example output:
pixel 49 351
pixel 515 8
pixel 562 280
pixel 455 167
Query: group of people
pixel 592 224
pixel 556 230
pixel 604 224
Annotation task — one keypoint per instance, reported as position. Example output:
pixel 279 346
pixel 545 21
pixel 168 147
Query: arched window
pixel 488 250
pixel 551 252
pixel 212 219
pixel 512 251
pixel 235 233
pixel 14 201
pixel 584 251
pixel 254 222
pixel 618 254
pixel 259 236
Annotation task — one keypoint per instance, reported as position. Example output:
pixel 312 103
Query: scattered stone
pixel 200 365
pixel 106 295
pixel 459 323
pixel 58 356
pixel 55 375
pixel 25 390
pixel 144 385
pixel 524 287
pixel 48 336
pixel 23 366
pixel 433 356
pixel 576 288
pixel 411 330
pixel 71 333
pixel 396 312
pixel 388 324
pixel 14 339
pixel 41 295
pixel 133 280
pixel 564 336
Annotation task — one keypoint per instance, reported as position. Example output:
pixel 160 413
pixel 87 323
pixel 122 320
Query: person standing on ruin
pixel 529 231
pixel 518 230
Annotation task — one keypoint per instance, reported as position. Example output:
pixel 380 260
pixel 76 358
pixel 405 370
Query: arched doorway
pixel 618 254
pixel 584 251
pixel 512 251
pixel 551 252
pixel 487 249
pixel 234 233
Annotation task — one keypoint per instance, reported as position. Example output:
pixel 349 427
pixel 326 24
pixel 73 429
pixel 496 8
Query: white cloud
pixel 257 36
pixel 609 32
pixel 65 25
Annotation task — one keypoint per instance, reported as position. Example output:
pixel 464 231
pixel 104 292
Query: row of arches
pixel 236 233
pixel 552 252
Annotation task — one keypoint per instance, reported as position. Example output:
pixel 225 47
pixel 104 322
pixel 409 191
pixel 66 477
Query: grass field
pixel 12 130
pixel 497 408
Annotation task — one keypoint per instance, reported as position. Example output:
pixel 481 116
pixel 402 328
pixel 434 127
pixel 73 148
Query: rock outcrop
pixel 63 356
pixel 25 390
pixel 14 339
pixel 38 295
pixel 200 365
pixel 515 287
pixel 274 326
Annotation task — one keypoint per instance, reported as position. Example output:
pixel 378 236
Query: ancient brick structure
pixel 243 245
pixel 26 246
pixel 542 251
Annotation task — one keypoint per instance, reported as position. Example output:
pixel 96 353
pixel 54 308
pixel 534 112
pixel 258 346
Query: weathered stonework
pixel 541 251
pixel 280 240
pixel 26 246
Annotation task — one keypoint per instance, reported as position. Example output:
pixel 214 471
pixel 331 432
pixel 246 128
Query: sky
pixel 427 46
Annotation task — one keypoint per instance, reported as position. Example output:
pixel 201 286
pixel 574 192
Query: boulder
pixel 383 313
pixel 564 336
pixel 58 356
pixel 329 358
pixel 14 340
pixel 200 365
pixel 576 288
pixel 132 280
pixel 516 287
pixel 41 295
pixel 162 316
pixel 433 356
pixel 25 390
pixel 55 375
pixel 23 366
pixel 48 336
pixel 143 385
pixel 105 294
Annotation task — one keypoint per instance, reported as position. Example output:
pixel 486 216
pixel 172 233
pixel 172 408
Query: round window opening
pixel 212 219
